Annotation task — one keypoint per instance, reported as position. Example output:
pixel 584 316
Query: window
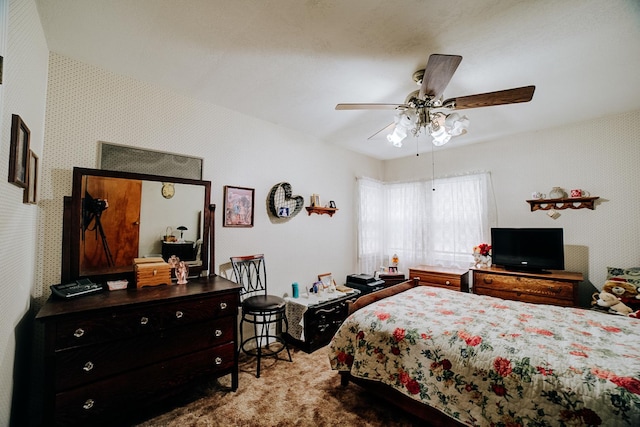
pixel 422 223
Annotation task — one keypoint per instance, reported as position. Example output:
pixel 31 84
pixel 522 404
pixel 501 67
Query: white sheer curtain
pixel 422 222
pixel 371 224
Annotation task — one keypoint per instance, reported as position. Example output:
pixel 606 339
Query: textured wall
pixel 86 105
pixel 600 156
pixel 23 93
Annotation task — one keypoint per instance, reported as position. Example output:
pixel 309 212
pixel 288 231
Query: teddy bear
pixel 621 289
pixel 612 302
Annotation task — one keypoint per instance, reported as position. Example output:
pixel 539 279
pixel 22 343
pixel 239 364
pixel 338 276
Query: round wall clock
pixel 168 190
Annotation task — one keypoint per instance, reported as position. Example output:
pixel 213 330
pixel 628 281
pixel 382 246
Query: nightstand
pixel 313 321
pixel 445 277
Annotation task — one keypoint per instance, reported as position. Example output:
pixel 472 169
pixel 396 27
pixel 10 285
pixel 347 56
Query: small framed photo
pixel 326 279
pixel 19 152
pixel 332 204
pixel 31 192
pixel 238 206
pixel 283 212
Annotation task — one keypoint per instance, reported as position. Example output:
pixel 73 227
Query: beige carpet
pixel 305 392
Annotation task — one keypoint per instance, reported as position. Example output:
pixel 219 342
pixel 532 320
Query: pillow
pixel 629 275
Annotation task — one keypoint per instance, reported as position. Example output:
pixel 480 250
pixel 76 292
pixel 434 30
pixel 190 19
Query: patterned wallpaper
pixel 86 105
pixel 22 92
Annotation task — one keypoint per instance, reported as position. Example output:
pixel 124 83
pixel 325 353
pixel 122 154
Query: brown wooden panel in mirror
pixel 118 216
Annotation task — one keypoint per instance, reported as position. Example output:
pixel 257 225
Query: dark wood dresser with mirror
pixel 112 355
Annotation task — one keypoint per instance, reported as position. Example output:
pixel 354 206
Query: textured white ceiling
pixel 290 62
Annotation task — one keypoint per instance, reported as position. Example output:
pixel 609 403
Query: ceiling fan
pixel 426 109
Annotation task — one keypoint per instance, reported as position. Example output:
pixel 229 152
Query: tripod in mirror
pixel 92 210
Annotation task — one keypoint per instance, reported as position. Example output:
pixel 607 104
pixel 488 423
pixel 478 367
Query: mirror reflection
pixel 121 218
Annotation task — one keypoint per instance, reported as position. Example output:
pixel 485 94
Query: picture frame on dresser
pixel 326 279
pixel 238 206
pixel 19 152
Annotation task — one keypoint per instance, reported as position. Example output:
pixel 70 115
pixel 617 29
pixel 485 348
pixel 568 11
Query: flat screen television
pixel 528 249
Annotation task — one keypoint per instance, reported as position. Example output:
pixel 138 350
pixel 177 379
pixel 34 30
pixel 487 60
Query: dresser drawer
pixel 116 325
pixel 77 366
pixel 525 297
pixel 186 312
pixel 520 285
pixel 105 327
pixel 127 393
pixel 437 276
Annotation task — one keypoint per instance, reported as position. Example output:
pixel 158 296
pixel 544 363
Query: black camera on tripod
pixel 95 206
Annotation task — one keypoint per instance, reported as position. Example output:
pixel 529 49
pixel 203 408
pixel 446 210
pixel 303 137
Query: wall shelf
pixel 566 203
pixel 320 211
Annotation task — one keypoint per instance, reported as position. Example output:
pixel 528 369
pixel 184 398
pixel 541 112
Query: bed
pixel 453 358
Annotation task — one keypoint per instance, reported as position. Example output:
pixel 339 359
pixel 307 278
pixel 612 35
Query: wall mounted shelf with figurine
pixel 320 211
pixel 565 203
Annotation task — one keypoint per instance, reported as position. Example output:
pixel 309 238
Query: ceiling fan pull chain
pixel 433 171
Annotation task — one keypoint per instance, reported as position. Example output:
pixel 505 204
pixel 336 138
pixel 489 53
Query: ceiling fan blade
pixel 370 106
pixel 388 127
pixel 501 97
pixel 437 75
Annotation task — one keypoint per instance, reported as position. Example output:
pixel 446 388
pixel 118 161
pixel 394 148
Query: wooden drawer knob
pixel 487 280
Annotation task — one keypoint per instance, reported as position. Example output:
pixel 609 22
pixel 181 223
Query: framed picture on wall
pixel 238 207
pixel 19 152
pixel 31 192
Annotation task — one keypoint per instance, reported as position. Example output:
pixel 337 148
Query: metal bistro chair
pixel 260 309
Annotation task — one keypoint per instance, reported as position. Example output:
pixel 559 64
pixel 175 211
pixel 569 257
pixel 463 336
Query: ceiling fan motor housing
pixel 418 76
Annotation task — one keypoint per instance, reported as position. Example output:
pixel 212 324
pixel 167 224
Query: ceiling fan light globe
pixel 397 136
pixel 440 137
pixel 456 125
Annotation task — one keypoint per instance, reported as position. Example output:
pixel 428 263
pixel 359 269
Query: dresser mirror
pixel 114 217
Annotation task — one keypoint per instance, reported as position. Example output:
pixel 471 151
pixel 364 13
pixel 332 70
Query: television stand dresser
pixel 117 353
pixel 556 287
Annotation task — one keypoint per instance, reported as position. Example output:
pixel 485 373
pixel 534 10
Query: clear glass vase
pixel 482 261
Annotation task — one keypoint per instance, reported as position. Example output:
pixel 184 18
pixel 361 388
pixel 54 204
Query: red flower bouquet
pixel 483 249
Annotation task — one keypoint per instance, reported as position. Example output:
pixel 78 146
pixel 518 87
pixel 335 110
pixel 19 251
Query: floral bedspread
pixel 487 361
